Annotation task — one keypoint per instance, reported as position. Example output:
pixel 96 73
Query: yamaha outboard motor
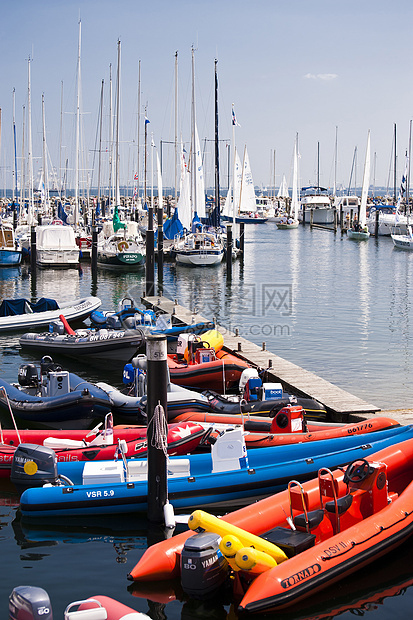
pixel 27 602
pixel 33 466
pixel 203 567
pixel 28 375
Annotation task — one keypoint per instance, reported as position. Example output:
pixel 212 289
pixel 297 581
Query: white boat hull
pixel 404 242
pixel 78 309
pixel 358 235
pixel 199 259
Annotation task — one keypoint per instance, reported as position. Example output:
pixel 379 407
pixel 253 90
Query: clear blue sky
pixel 298 66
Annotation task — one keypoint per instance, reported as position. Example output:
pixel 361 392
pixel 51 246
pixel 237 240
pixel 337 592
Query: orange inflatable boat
pixel 287 547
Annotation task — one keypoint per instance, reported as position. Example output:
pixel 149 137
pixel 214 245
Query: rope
pixel 3 389
pixel 160 429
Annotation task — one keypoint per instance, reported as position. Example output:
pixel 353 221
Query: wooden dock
pixel 296 380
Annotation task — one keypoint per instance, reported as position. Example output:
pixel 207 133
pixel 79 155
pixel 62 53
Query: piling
pixel 150 259
pixel 311 217
pixel 15 219
pixel 33 248
pixel 376 224
pixel 304 215
pixel 160 243
pixel 241 238
pixel 94 255
pixel 229 251
pixel 156 409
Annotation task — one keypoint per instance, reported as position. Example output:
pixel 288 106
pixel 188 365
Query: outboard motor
pixel 47 365
pixel 203 567
pixel 29 602
pixel 33 466
pixel 28 375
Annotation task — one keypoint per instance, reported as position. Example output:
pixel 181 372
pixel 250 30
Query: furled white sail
pixel 199 203
pixel 160 188
pixel 248 201
pixel 283 189
pixel 366 183
pixel 184 202
pixel 294 198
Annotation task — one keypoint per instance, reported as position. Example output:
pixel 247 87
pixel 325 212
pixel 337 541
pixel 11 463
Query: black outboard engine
pixel 28 375
pixel 27 602
pixel 47 365
pixel 203 567
pixel 33 466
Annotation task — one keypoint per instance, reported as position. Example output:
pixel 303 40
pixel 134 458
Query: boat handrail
pixel 302 494
pixel 322 471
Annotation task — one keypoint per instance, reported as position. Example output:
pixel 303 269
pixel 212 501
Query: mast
pixel 216 215
pixel 335 163
pixel 30 153
pixel 395 165
pixel 110 138
pixel 44 151
pixel 408 173
pixel 100 138
pixel 15 147
pixel 193 158
pixel 318 166
pixel 117 195
pixel 176 128
pixel 138 130
pixel 23 173
pixel 60 141
pixel 76 213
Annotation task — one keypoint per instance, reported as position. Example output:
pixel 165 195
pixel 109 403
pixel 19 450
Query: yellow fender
pixel 254 561
pixel 229 545
pixel 209 523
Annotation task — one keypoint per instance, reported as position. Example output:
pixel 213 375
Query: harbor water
pixel 339 308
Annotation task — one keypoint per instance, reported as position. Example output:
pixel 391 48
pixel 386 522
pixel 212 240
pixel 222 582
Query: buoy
pixel 201 519
pixel 254 561
pixel 169 515
pixel 229 545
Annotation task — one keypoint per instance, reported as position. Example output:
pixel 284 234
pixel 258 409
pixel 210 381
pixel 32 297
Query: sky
pixel 329 70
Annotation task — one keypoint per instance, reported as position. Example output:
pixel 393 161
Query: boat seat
pixel 343 504
pixel 314 519
pixel 291 542
pixel 138 469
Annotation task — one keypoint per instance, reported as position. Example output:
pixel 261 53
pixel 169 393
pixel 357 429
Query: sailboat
pixel 404 242
pixel 199 246
pixel 359 230
pixel 244 202
pixel 291 221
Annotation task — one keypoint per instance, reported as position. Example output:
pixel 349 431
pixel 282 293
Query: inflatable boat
pixel 296 543
pixel 21 313
pixel 50 396
pixel 78 446
pixel 225 478
pixel 32 602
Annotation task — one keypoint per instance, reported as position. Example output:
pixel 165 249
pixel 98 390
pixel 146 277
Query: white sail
pixel 227 208
pixel 283 189
pixel 366 184
pixel 184 202
pixel 199 207
pixel 248 201
pixel 294 198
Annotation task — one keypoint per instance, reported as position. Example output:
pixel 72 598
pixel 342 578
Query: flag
pixel 147 120
pixel 136 177
pixel 234 119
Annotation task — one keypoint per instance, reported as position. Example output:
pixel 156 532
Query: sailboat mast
pixel 23 172
pixel 110 138
pixel 45 175
pixel 216 217
pixel 408 172
pixel 395 164
pixel 318 166
pixel 15 147
pixel 77 129
pixel 117 195
pixel 176 128
pixel 100 138
pixel 193 159
pixel 335 162
pixel 138 130
pixel 30 153
pixel 60 141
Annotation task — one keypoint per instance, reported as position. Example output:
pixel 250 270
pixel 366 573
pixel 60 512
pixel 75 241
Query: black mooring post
pixel 157 381
pixel 229 251
pixel 376 224
pixel 241 238
pixel 150 258
pixel 94 256
pixel 160 244
pixel 33 249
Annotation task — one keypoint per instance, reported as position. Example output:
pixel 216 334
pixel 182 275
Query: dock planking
pixel 294 379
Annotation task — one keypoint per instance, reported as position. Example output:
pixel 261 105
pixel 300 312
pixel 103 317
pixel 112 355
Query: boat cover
pixel 13 307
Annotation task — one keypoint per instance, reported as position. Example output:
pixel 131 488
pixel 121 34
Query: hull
pixel 357 235
pixel 404 242
pixel 245 219
pixel 202 487
pixel 115 345
pixel 219 374
pixel 287 226
pixel 123 260
pixel 182 438
pixel 199 259
pixel 10 258
pixel 83 404
pixel 57 258
pixel 78 309
pixel 369 535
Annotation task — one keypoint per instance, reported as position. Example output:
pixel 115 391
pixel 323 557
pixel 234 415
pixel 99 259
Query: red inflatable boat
pixel 289 546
